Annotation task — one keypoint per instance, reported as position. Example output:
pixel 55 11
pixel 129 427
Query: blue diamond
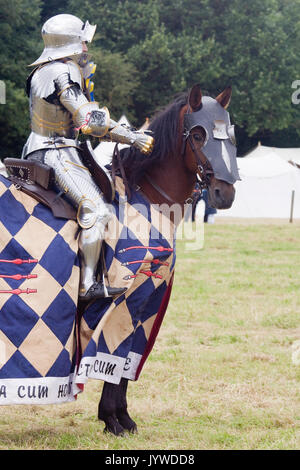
pixel 13 214
pixel 59 260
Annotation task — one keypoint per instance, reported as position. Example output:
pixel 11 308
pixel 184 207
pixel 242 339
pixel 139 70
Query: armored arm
pixel 122 134
pixel 73 99
pixel 118 133
pixel 94 120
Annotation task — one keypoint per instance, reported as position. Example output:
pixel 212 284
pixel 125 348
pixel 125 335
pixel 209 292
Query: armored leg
pixel 93 215
pixel 90 243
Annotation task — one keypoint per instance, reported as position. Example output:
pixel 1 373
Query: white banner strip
pixel 131 365
pixel 54 390
pixel 102 367
pixel 36 391
pixel 108 368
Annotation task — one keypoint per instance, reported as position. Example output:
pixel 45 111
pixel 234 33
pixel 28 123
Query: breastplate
pixel 49 119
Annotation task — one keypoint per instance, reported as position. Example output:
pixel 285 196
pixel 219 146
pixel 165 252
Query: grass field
pixel 225 370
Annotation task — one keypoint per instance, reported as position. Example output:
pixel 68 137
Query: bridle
pixel 204 169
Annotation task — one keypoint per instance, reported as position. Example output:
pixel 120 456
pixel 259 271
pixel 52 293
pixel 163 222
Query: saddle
pixel 36 179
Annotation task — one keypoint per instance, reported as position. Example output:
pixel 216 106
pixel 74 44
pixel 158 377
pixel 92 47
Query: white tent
pixel 291 155
pixel 268 185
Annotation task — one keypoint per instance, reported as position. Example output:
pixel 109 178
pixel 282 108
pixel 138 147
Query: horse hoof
pixel 133 429
pixel 116 431
pixel 127 423
pixel 114 427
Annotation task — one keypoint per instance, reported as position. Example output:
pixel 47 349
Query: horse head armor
pixel 220 141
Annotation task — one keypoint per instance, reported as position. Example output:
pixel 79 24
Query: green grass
pixel 221 374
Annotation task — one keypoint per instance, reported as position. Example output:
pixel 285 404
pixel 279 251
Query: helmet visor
pixel 88 32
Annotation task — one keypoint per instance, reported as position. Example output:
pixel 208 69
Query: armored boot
pixel 90 245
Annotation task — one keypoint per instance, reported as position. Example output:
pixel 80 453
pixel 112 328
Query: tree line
pixel 148 51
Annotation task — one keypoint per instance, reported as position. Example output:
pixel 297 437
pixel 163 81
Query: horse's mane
pixel 164 126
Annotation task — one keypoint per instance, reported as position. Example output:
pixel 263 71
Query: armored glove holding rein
pixel 118 133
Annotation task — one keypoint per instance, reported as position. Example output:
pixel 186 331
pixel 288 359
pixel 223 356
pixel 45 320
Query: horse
pixel 108 339
pixel 166 178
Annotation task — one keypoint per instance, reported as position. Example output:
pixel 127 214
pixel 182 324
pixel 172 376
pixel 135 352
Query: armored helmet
pixel 63 36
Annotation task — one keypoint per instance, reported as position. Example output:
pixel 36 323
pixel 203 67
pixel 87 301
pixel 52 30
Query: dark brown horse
pixel 168 176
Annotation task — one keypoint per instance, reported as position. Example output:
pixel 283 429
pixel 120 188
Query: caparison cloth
pixel 46 356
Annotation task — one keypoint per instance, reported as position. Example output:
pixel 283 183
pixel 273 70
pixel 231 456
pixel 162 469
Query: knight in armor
pixel 60 106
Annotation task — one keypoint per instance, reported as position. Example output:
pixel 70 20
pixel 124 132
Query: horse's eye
pixel 198 137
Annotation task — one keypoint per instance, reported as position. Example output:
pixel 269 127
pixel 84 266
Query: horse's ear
pixel 195 98
pixel 225 97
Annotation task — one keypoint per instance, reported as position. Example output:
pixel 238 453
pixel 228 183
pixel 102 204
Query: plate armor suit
pixel 60 106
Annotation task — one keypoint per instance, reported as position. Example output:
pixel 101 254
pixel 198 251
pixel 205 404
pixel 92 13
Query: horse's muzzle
pixel 221 198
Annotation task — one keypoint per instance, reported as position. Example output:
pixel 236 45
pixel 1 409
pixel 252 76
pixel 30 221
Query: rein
pixel 118 165
pixel 204 170
pixel 189 200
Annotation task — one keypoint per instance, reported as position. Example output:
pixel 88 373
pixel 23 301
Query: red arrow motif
pixel 145 261
pixel 18 261
pixel 18 291
pixel 147 273
pixel 151 274
pixel 18 277
pixel 158 248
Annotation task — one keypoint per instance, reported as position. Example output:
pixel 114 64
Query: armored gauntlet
pixel 139 139
pixel 118 133
pixel 97 122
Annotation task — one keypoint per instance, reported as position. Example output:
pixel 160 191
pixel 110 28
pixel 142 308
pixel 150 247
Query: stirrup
pixel 98 291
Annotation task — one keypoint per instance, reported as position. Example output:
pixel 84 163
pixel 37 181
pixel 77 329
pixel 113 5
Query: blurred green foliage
pixel 148 51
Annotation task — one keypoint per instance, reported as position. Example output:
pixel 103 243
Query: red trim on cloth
pixel 78 349
pixel 156 326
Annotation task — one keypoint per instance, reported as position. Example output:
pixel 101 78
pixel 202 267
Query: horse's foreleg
pixel 122 413
pixel 107 409
pixel 113 409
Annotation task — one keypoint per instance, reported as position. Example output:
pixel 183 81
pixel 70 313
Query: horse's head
pixel 209 145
